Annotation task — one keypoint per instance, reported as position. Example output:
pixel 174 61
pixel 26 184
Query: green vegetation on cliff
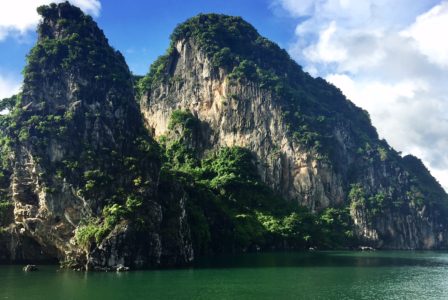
pixel 312 107
pixel 319 118
pixel 426 190
pixel 78 119
pixel 6 204
pixel 230 209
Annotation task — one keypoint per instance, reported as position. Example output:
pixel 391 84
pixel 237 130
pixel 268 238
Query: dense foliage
pixel 6 206
pixel 230 209
pixel 426 190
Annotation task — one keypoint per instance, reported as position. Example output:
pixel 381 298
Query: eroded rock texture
pixel 312 144
pixel 85 172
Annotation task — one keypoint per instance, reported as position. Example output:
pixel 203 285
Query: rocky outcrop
pixel 85 172
pixel 15 247
pixel 392 208
pixel 411 229
pixel 416 215
pixel 242 115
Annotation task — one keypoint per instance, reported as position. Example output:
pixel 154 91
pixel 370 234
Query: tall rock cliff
pixel 312 145
pixel 85 173
pixel 252 153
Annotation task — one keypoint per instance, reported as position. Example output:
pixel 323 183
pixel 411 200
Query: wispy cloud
pixel 17 17
pixel 389 57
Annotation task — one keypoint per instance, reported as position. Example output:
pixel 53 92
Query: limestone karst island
pixel 225 156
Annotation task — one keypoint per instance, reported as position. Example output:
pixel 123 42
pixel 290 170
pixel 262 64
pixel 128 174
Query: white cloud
pixel 429 31
pixel 322 50
pixel 389 57
pixel 299 8
pixel 17 17
pixel 92 7
pixel 8 86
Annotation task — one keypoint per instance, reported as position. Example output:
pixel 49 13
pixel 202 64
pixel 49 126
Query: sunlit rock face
pixel 312 145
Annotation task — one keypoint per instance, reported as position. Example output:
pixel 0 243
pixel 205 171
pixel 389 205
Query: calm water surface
pixel 317 275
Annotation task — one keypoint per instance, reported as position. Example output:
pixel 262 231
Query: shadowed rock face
pixel 18 248
pixel 346 165
pixel 85 172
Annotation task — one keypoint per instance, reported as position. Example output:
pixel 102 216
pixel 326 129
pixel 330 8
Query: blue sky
pixel 140 29
pixel 144 27
pixel 389 57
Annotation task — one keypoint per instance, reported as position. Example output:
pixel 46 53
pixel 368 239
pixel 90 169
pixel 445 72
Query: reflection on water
pixel 307 275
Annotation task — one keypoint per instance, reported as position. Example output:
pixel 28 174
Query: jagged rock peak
pixel 229 40
pixel 216 31
pixel 71 43
pixel 64 19
pixel 85 171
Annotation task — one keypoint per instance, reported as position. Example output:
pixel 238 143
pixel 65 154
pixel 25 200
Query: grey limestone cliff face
pixel 241 115
pixel 412 229
pixel 244 114
pixel 409 221
pixel 82 160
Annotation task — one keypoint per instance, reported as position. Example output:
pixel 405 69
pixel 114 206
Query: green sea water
pixel 313 275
